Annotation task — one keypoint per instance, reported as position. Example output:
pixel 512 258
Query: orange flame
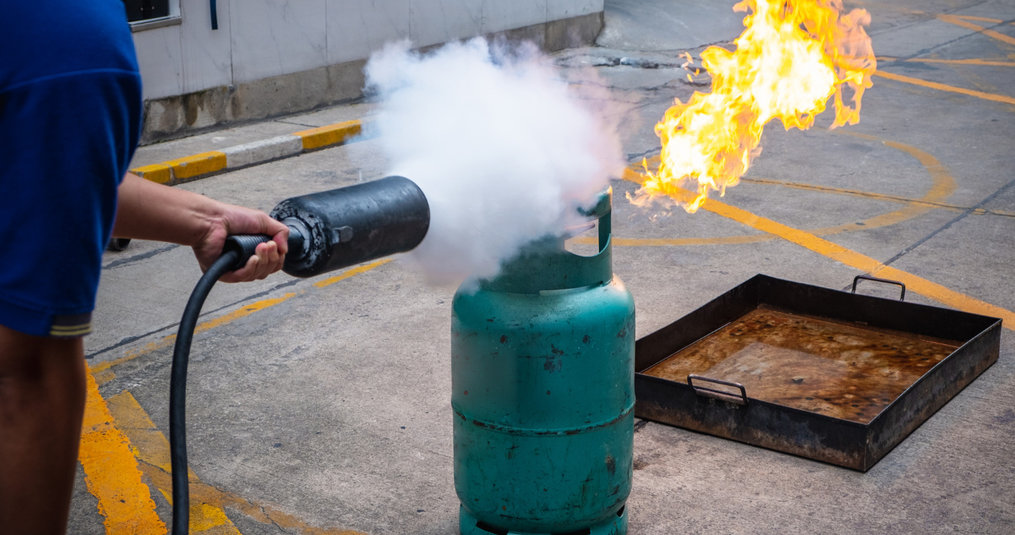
pixel 791 57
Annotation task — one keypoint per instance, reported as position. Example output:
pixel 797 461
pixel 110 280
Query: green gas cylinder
pixel 542 374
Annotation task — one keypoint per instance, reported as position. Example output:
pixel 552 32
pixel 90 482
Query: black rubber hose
pixel 178 386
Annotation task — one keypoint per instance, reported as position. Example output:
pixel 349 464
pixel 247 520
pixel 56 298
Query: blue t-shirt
pixel 70 118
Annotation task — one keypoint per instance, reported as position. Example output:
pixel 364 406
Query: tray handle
pixel 902 296
pixel 715 392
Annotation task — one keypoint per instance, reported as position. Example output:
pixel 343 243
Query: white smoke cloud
pixel 503 147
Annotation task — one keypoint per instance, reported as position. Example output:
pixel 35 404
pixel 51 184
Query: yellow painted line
pixel 324 136
pixel 112 473
pixel 243 311
pixel 937 205
pixel 964 22
pixel 849 257
pixel 102 367
pixel 983 19
pixel 351 273
pixel 150 446
pixel 970 61
pixel 198 164
pixel 160 173
pixel 147 442
pixel 944 87
pixel 855 193
pixel 671 242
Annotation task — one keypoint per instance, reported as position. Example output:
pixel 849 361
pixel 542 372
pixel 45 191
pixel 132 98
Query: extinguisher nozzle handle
pixel 246 244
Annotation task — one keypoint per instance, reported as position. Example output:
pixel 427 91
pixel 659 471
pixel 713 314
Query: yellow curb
pixel 198 164
pixel 157 172
pixel 334 134
pixel 190 167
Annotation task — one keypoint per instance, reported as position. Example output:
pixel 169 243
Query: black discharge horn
pixel 342 227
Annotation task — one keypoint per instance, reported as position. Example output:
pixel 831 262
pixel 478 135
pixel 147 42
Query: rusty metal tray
pixel 825 374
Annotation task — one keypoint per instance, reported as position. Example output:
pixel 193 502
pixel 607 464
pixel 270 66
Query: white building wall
pixel 264 39
pixel 357 27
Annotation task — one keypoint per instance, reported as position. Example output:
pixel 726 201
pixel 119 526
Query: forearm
pixel 150 211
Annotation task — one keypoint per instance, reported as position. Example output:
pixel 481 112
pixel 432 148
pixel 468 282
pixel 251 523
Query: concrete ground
pixel 323 405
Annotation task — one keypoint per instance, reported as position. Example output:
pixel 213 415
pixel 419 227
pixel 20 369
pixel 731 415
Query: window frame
pixel 172 19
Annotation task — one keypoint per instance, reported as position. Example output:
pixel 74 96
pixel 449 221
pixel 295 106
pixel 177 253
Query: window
pixel 142 10
pixel 149 14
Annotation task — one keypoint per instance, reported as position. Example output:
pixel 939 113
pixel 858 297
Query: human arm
pixel 151 211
